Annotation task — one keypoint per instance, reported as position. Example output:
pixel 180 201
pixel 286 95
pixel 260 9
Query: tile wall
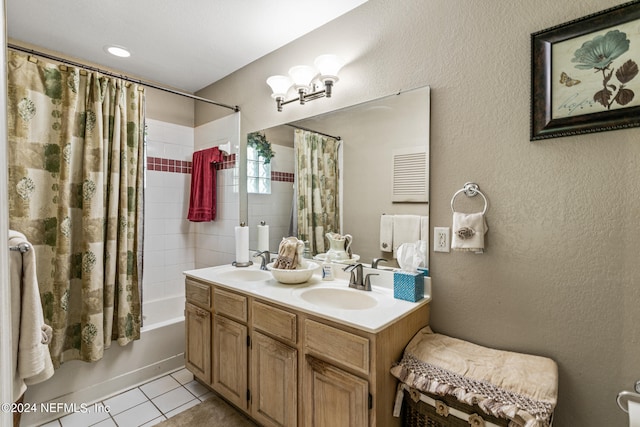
pixel 169 236
pixel 215 241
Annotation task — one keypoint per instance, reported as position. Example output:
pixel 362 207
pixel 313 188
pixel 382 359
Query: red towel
pixel 202 203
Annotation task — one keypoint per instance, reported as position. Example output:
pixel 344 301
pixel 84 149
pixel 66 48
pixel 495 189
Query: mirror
pixel 371 133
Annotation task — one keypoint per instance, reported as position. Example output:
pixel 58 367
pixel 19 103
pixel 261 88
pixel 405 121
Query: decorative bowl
pixel 293 277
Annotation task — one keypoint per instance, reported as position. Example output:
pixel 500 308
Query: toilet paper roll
pixel 263 237
pixel 634 414
pixel 242 244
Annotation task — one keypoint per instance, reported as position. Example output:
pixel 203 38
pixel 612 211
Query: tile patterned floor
pixel 142 406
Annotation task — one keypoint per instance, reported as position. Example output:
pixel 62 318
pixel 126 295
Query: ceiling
pixel 186 45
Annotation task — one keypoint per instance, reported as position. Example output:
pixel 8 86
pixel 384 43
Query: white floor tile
pixel 196 388
pixel 83 419
pixel 172 399
pixel 124 401
pixel 183 376
pixel 106 423
pixel 181 408
pixel 54 423
pixel 137 415
pixel 154 421
pixel 160 386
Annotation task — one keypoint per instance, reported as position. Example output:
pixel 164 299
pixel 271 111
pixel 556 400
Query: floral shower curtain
pixel 75 190
pixel 317 188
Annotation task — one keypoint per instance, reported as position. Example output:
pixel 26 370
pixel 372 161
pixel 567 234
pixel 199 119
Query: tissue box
pixel 408 286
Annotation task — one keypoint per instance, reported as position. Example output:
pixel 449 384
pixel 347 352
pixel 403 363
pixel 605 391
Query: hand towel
pixel 287 254
pixel 386 233
pixel 202 202
pixel 424 228
pixel 406 229
pixel 468 232
pixel 31 358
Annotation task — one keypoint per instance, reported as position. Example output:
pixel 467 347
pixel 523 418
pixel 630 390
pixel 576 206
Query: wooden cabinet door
pixel 198 342
pixel 334 397
pixel 274 379
pixel 230 360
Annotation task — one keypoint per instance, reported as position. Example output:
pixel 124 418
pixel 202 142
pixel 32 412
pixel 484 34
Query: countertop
pixel 387 309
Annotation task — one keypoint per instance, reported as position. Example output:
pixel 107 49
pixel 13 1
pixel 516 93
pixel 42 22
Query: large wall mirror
pixel 371 135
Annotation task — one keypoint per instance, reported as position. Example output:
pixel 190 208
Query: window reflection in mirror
pixel 370 132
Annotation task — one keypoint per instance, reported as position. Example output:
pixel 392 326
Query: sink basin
pixel 244 275
pixel 343 299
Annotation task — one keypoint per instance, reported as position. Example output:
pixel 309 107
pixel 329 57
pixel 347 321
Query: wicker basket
pixel 417 413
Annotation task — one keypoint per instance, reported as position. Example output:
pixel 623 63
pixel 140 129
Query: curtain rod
pixel 110 74
pixel 337 138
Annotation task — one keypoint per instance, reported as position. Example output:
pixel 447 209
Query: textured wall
pixel 560 276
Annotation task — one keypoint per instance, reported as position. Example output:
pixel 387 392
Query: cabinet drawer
pixel 273 321
pixel 230 304
pixel 335 345
pixel 198 293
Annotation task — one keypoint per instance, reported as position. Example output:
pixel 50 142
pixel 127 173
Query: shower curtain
pixel 317 188
pixel 76 141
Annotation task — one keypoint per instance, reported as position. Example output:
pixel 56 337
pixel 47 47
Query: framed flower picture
pixel 584 74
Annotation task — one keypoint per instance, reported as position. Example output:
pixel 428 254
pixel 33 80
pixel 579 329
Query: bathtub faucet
pixel 266 258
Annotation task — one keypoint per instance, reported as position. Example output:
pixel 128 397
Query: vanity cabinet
pixel 230 346
pixel 337 396
pixel 270 396
pixel 274 365
pixel 285 367
pixel 198 330
pixel 274 379
pixel 230 360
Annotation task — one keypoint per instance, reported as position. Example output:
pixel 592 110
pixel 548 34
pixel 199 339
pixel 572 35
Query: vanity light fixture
pixel 309 82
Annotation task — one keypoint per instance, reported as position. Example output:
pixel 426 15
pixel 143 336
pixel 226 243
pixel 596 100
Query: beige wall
pixel 560 276
pixel 170 108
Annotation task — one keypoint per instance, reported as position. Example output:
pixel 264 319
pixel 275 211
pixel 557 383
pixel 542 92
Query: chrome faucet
pixel 376 261
pixel 356 280
pixel 266 259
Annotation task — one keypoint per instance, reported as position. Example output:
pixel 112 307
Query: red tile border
pixel 184 166
pixel 282 176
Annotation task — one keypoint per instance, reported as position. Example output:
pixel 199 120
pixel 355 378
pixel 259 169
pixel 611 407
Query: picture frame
pixel 584 74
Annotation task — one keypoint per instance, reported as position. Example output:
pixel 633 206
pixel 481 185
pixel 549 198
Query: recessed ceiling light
pixel 118 51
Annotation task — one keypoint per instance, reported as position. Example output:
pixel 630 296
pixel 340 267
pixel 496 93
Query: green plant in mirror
pixel 259 142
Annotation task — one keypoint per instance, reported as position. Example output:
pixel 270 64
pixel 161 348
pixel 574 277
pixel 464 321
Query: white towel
pixel 386 233
pixel 468 232
pixel 424 228
pixel 31 358
pixel 406 229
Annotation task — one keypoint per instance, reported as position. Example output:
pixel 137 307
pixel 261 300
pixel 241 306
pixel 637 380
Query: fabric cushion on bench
pixel 519 387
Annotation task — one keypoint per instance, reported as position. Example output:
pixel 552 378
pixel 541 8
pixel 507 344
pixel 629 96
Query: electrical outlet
pixel 441 242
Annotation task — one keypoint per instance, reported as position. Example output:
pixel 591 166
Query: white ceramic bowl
pixel 293 277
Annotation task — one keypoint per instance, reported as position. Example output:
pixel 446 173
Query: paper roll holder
pixel 242 264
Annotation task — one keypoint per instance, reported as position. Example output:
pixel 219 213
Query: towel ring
pixel 471 189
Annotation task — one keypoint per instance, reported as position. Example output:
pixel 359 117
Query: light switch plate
pixel 441 239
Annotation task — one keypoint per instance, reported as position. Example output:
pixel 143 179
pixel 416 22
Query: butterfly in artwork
pixel 568 81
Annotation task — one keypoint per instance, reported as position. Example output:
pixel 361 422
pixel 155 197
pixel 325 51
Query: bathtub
pixel 162 312
pixel 159 350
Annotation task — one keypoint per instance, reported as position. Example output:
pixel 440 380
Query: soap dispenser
pixel 327 268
